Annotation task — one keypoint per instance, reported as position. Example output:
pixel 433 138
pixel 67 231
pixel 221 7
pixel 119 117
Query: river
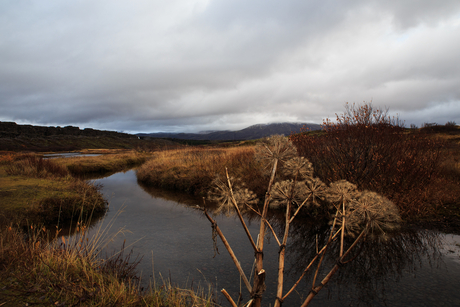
pixel 416 268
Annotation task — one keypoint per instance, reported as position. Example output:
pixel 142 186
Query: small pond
pixel 416 268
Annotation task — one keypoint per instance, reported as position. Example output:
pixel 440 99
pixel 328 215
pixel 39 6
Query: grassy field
pixel 38 191
pixel 69 272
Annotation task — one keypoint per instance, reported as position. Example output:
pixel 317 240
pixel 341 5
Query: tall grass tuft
pixel 35 166
pixel 67 271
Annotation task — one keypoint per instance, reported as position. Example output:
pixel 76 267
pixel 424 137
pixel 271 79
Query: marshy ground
pixel 36 194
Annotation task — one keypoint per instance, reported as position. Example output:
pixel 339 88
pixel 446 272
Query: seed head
pixel 342 191
pixel 379 213
pixel 316 190
pixel 222 195
pixel 287 190
pixel 275 147
pixel 298 166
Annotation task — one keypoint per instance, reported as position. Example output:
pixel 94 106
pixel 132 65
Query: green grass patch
pixel 20 193
pixel 34 190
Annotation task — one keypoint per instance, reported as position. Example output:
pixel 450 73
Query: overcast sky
pixel 195 65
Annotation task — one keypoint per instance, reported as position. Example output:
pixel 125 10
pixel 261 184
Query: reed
pixel 63 271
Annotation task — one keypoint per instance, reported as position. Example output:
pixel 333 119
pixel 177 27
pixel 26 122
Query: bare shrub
pixel 367 147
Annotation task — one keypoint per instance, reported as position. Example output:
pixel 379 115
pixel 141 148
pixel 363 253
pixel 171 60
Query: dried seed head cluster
pixel 316 191
pixel 222 195
pixel 342 191
pixel 275 147
pixel 298 166
pixel 358 210
pixel 377 211
pixel 287 190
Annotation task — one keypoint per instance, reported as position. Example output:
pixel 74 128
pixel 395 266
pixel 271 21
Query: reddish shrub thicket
pixel 374 151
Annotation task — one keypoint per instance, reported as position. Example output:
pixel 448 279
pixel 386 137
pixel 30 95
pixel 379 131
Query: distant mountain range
pixel 251 133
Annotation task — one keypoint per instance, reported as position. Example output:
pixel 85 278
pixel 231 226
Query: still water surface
pixel 177 239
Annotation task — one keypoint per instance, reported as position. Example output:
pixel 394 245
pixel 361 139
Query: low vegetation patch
pixel 193 169
pixel 414 169
pixel 69 272
pixel 102 164
pixel 36 190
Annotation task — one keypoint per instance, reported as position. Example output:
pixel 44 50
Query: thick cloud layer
pixel 183 65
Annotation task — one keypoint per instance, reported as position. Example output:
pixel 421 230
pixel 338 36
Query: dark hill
pixel 13 130
pixel 14 137
pixel 250 133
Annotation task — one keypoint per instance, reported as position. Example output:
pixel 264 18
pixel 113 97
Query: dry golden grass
pixel 105 163
pixel 193 169
pixel 69 272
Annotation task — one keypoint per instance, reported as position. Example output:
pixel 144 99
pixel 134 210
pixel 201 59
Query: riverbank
pixel 38 196
pixel 192 169
pixel 69 272
pixel 40 192
pixel 107 162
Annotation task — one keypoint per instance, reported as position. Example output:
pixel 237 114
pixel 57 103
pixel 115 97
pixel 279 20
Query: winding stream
pixel 413 269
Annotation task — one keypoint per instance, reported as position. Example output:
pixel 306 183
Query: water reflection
pixel 406 270
pixel 68 155
pixel 379 264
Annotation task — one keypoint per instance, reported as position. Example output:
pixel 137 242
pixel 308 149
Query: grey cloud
pixel 194 64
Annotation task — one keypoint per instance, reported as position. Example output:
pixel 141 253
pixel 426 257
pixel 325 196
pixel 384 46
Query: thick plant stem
pixel 259 282
pixel 229 298
pixel 322 256
pixel 230 251
pixel 308 267
pixel 282 253
pixel 342 238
